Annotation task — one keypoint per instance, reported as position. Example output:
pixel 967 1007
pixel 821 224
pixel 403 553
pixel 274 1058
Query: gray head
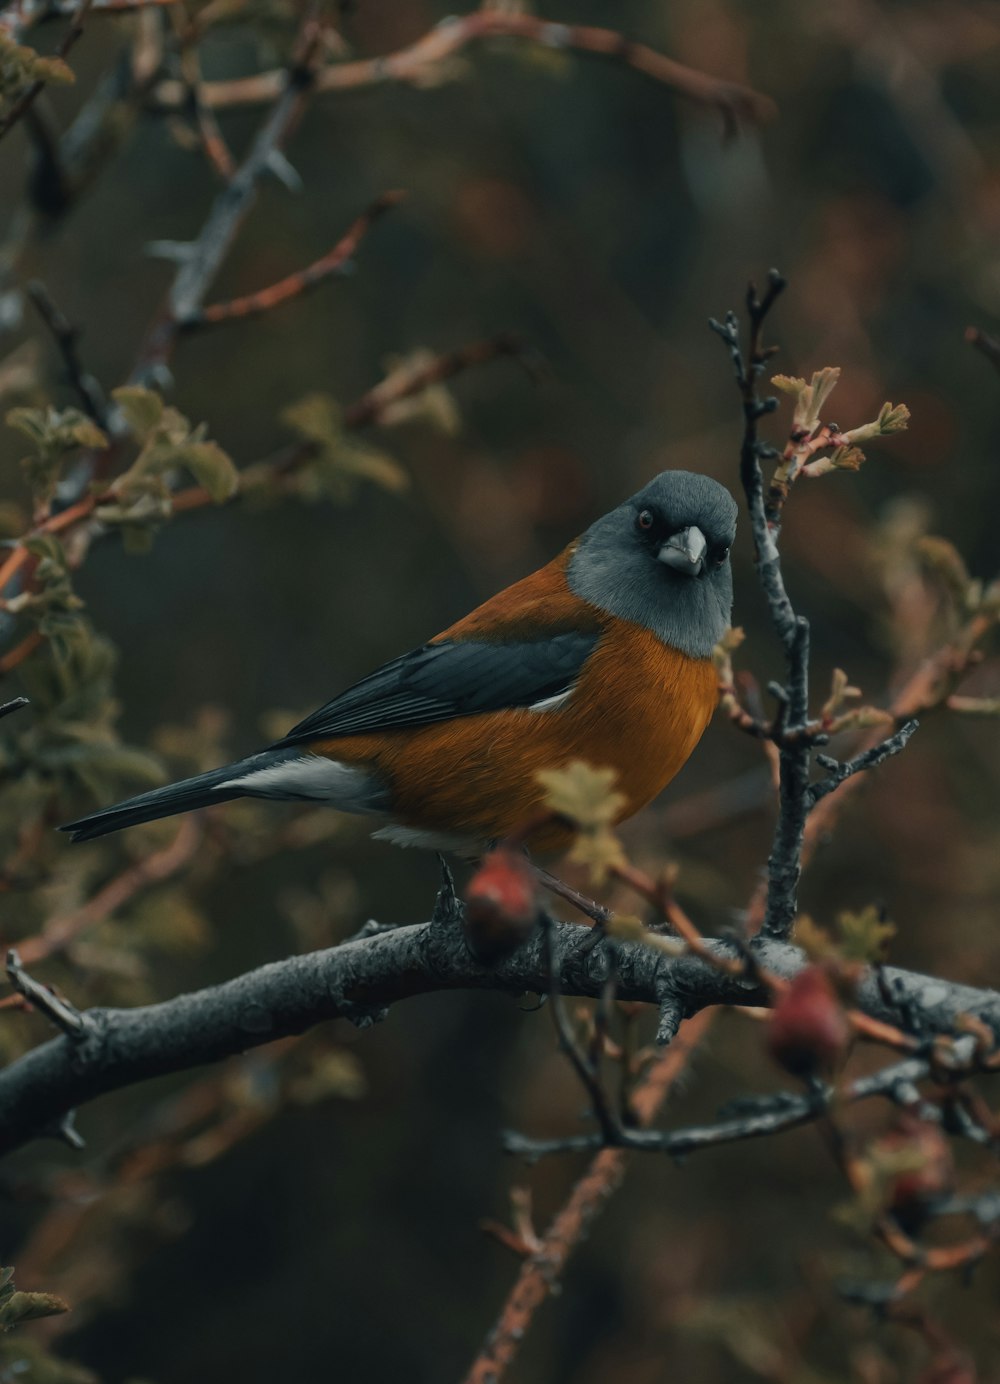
pixel 661 560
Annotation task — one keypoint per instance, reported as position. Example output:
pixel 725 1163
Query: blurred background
pixel 581 205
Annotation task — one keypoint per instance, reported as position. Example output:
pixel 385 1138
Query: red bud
pixel 809 1033
pixel 501 905
pixel 950 1367
pixel 913 1189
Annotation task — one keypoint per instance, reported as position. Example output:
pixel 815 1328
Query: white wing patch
pixel 429 840
pixel 550 703
pixel 311 778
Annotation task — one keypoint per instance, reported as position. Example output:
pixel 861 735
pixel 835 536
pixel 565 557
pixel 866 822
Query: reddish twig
pixel 252 304
pixel 737 104
pixel 984 343
pixel 212 139
pixel 540 1272
pixel 60 932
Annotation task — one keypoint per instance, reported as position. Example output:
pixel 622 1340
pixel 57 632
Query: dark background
pixel 579 204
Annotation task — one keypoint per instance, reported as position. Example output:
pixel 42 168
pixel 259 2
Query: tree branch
pixel 738 105
pixel 867 759
pixel 333 262
pixel 358 979
pixel 201 260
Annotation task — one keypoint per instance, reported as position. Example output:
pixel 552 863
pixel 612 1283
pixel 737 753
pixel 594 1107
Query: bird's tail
pixel 200 791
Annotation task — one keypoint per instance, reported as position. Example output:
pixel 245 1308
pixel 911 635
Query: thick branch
pixel 358 979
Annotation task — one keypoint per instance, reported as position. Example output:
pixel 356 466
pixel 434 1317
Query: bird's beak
pixel 685 551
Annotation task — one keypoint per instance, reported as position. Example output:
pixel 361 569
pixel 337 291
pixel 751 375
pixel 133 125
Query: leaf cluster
pixel 56 435
pixel 168 443
pixel 339 461
pixel 20 66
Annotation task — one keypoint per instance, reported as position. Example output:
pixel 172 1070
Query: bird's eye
pixel 645 519
pixel 721 556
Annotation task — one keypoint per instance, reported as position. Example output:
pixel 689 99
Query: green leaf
pixel 368 464
pixel 141 408
pixel 28 1307
pixel 211 467
pixel 55 434
pixel 316 417
pixel 169 443
pixel 54 70
pixel 864 936
pixel 330 1073
pixel 18 1307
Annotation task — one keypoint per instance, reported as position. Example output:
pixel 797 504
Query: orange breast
pixel 638 708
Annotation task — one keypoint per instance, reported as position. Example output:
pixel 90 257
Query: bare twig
pixel 737 105
pixel 757 1118
pixel 61 931
pixel 66 337
pixel 586 1067
pixel 984 343
pixel 839 771
pixel 540 1273
pixel 333 262
pixel 65 1016
pixel 201 260
pixel 795 744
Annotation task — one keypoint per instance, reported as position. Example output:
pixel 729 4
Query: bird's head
pixel 661 560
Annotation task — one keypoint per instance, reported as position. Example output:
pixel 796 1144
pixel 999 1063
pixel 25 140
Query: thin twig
pixel 65 1016
pixel 987 345
pixel 839 771
pixel 60 932
pixel 201 260
pixel 738 105
pixel 767 1116
pixel 539 1275
pixel 66 337
pixel 588 1072
pixel 333 262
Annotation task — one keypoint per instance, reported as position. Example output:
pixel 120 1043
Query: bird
pixel 603 656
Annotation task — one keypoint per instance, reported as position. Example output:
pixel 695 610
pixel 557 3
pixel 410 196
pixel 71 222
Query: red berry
pixel 501 904
pixel 809 1032
pixel 914 1188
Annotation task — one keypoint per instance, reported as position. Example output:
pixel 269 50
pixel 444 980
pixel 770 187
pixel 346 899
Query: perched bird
pixel 603 655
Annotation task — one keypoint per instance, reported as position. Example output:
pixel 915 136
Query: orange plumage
pixel 639 708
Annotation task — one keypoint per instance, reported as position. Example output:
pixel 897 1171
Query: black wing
pixel 441 681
